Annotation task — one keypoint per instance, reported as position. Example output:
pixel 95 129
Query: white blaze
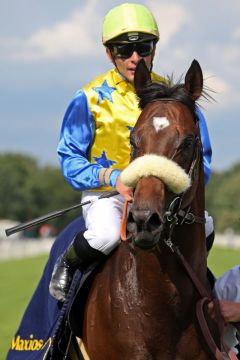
pixel 160 123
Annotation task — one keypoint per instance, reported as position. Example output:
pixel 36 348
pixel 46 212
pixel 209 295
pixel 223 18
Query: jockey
pixel 94 142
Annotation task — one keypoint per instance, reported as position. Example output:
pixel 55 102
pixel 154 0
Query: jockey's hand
pixel 230 310
pixel 124 190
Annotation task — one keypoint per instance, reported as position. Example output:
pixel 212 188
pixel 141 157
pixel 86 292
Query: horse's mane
pixel 168 91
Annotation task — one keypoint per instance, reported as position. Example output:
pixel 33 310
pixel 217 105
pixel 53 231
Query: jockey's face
pixel 126 67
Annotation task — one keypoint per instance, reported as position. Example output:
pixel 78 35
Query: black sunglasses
pixel 126 50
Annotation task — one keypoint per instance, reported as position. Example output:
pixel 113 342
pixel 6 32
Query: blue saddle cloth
pixel 44 315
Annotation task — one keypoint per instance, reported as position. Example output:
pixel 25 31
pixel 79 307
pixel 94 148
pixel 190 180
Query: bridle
pixel 175 214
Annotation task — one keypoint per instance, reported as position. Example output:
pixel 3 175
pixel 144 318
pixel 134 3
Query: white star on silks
pixel 103 160
pixel 104 91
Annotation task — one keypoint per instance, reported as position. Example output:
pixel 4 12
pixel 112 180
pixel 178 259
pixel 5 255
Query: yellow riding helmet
pixel 131 19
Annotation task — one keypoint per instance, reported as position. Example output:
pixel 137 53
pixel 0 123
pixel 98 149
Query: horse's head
pixel 166 165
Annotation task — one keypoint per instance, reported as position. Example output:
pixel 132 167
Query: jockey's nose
pixel 135 57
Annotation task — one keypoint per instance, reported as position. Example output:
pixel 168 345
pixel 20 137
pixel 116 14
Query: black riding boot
pixel 209 241
pixel 79 255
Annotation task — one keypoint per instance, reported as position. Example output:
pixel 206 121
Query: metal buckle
pixel 172 218
pixel 191 220
pixel 173 204
pixel 170 244
pixel 171 213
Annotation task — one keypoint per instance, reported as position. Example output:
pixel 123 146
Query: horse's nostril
pixel 141 216
pixel 154 221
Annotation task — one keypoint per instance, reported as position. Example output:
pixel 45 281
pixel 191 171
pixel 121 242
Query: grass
pixel 222 259
pixel 18 279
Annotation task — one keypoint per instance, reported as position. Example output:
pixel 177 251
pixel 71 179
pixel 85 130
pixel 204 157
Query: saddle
pixel 77 305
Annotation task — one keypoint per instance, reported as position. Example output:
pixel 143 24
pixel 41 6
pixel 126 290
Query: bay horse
pixel 141 305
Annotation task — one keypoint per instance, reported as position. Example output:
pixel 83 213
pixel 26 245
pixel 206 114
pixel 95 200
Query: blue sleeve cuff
pixel 113 177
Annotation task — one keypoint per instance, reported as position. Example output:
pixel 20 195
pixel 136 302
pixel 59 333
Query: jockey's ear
pixel 142 77
pixel 194 80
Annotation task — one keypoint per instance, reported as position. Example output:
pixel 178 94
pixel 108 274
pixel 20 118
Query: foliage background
pixel 28 190
pixel 223 199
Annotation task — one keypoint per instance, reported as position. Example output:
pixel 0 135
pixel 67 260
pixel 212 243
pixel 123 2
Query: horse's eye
pixel 134 142
pixel 188 143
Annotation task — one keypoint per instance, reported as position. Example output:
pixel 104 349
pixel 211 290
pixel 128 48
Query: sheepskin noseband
pixel 167 170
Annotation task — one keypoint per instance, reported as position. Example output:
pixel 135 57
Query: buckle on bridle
pixel 189 218
pixel 171 213
pixel 171 218
pixel 170 244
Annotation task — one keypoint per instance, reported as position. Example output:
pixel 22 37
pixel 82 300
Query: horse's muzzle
pixel 145 227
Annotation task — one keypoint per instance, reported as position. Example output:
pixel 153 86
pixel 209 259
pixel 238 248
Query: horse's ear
pixel 194 80
pixel 142 77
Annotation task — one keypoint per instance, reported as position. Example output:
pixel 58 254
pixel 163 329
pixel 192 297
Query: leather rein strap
pixel 205 295
pixel 123 227
pixel 205 299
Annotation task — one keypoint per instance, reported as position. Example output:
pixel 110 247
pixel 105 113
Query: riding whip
pixel 55 214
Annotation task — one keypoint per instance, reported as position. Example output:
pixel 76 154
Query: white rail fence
pixel 16 246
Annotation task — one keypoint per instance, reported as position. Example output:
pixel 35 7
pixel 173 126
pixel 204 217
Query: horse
pixel 141 305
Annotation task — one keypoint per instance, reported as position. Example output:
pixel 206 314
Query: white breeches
pixel 103 219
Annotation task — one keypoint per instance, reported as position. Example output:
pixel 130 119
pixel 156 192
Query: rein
pixel 204 300
pixel 177 216
pixel 174 212
pixel 205 295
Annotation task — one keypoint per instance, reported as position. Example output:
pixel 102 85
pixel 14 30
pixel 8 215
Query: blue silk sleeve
pixel 76 137
pixel 207 149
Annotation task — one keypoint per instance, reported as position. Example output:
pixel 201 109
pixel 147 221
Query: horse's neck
pixel 151 279
pixel 191 239
pixel 138 274
pixel 145 270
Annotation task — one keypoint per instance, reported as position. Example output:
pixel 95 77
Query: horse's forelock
pixel 167 91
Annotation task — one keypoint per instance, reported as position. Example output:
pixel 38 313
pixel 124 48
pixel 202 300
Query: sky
pixel 50 49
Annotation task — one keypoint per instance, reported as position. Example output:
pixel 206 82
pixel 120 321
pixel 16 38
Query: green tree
pixel 28 190
pixel 48 191
pixel 15 171
pixel 223 199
